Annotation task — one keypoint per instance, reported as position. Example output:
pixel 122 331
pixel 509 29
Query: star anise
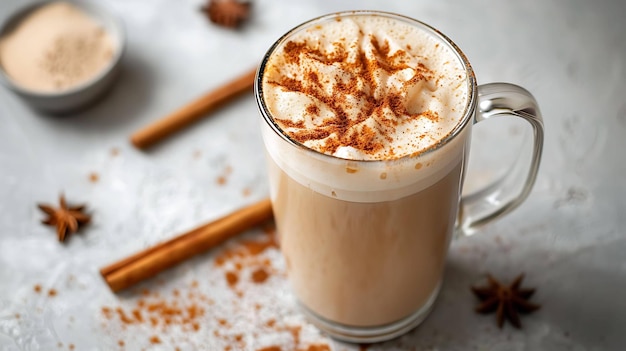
pixel 507 301
pixel 227 13
pixel 66 218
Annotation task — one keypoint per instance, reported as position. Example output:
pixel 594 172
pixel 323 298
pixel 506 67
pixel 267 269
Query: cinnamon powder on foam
pixel 339 130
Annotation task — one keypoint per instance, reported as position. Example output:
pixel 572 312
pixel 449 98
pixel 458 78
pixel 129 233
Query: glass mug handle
pixel 501 197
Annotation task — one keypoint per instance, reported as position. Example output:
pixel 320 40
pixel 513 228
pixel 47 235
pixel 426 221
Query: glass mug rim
pixel 471 84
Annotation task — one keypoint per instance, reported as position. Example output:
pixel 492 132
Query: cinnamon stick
pixel 193 111
pixel 150 262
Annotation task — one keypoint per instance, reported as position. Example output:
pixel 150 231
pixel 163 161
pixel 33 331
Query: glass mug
pixel 365 242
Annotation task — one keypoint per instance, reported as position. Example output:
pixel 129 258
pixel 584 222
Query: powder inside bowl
pixel 55 47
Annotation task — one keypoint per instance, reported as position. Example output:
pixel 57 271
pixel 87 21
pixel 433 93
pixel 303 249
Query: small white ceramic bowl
pixel 86 93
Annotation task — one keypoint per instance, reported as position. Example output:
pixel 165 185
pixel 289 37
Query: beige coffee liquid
pixel 364 264
pixel 365 242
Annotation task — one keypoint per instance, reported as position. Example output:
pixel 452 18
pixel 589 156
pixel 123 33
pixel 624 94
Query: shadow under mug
pixel 365 245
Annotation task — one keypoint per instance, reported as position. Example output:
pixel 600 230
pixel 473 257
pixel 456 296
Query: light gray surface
pixel 568 237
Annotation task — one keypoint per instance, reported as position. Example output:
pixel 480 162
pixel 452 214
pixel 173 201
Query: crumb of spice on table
pixel 161 313
pixel 245 254
pixel 222 179
pixel 155 339
pixel 246 192
pixel 94 177
pixel 188 308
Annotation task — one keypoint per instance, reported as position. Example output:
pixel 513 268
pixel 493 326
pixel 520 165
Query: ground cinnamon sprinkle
pixel 259 275
pixel 137 315
pixel 346 128
pixel 295 333
pixel 232 278
pixel 52 293
pixel 123 317
pixel 71 346
pixel 107 312
pixel 37 288
pixel 187 309
pixel 245 254
pixel 157 312
pixel 246 192
pixel 155 339
pixel 94 177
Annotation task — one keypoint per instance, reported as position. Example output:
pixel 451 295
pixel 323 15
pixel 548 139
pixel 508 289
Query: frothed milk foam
pixel 365 88
pixel 364 233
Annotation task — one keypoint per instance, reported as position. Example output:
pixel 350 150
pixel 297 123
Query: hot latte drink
pixel 366 146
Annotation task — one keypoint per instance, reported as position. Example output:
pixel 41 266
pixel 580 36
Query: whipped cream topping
pixel 365 88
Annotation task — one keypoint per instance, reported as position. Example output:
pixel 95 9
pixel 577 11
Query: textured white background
pixel 568 236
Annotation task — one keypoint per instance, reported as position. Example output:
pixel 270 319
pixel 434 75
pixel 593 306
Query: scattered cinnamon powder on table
pixel 295 333
pixel 38 289
pixel 157 312
pixel 94 177
pixel 246 192
pixel 223 178
pixel 155 339
pixel 248 248
pixel 185 308
pixel 245 254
